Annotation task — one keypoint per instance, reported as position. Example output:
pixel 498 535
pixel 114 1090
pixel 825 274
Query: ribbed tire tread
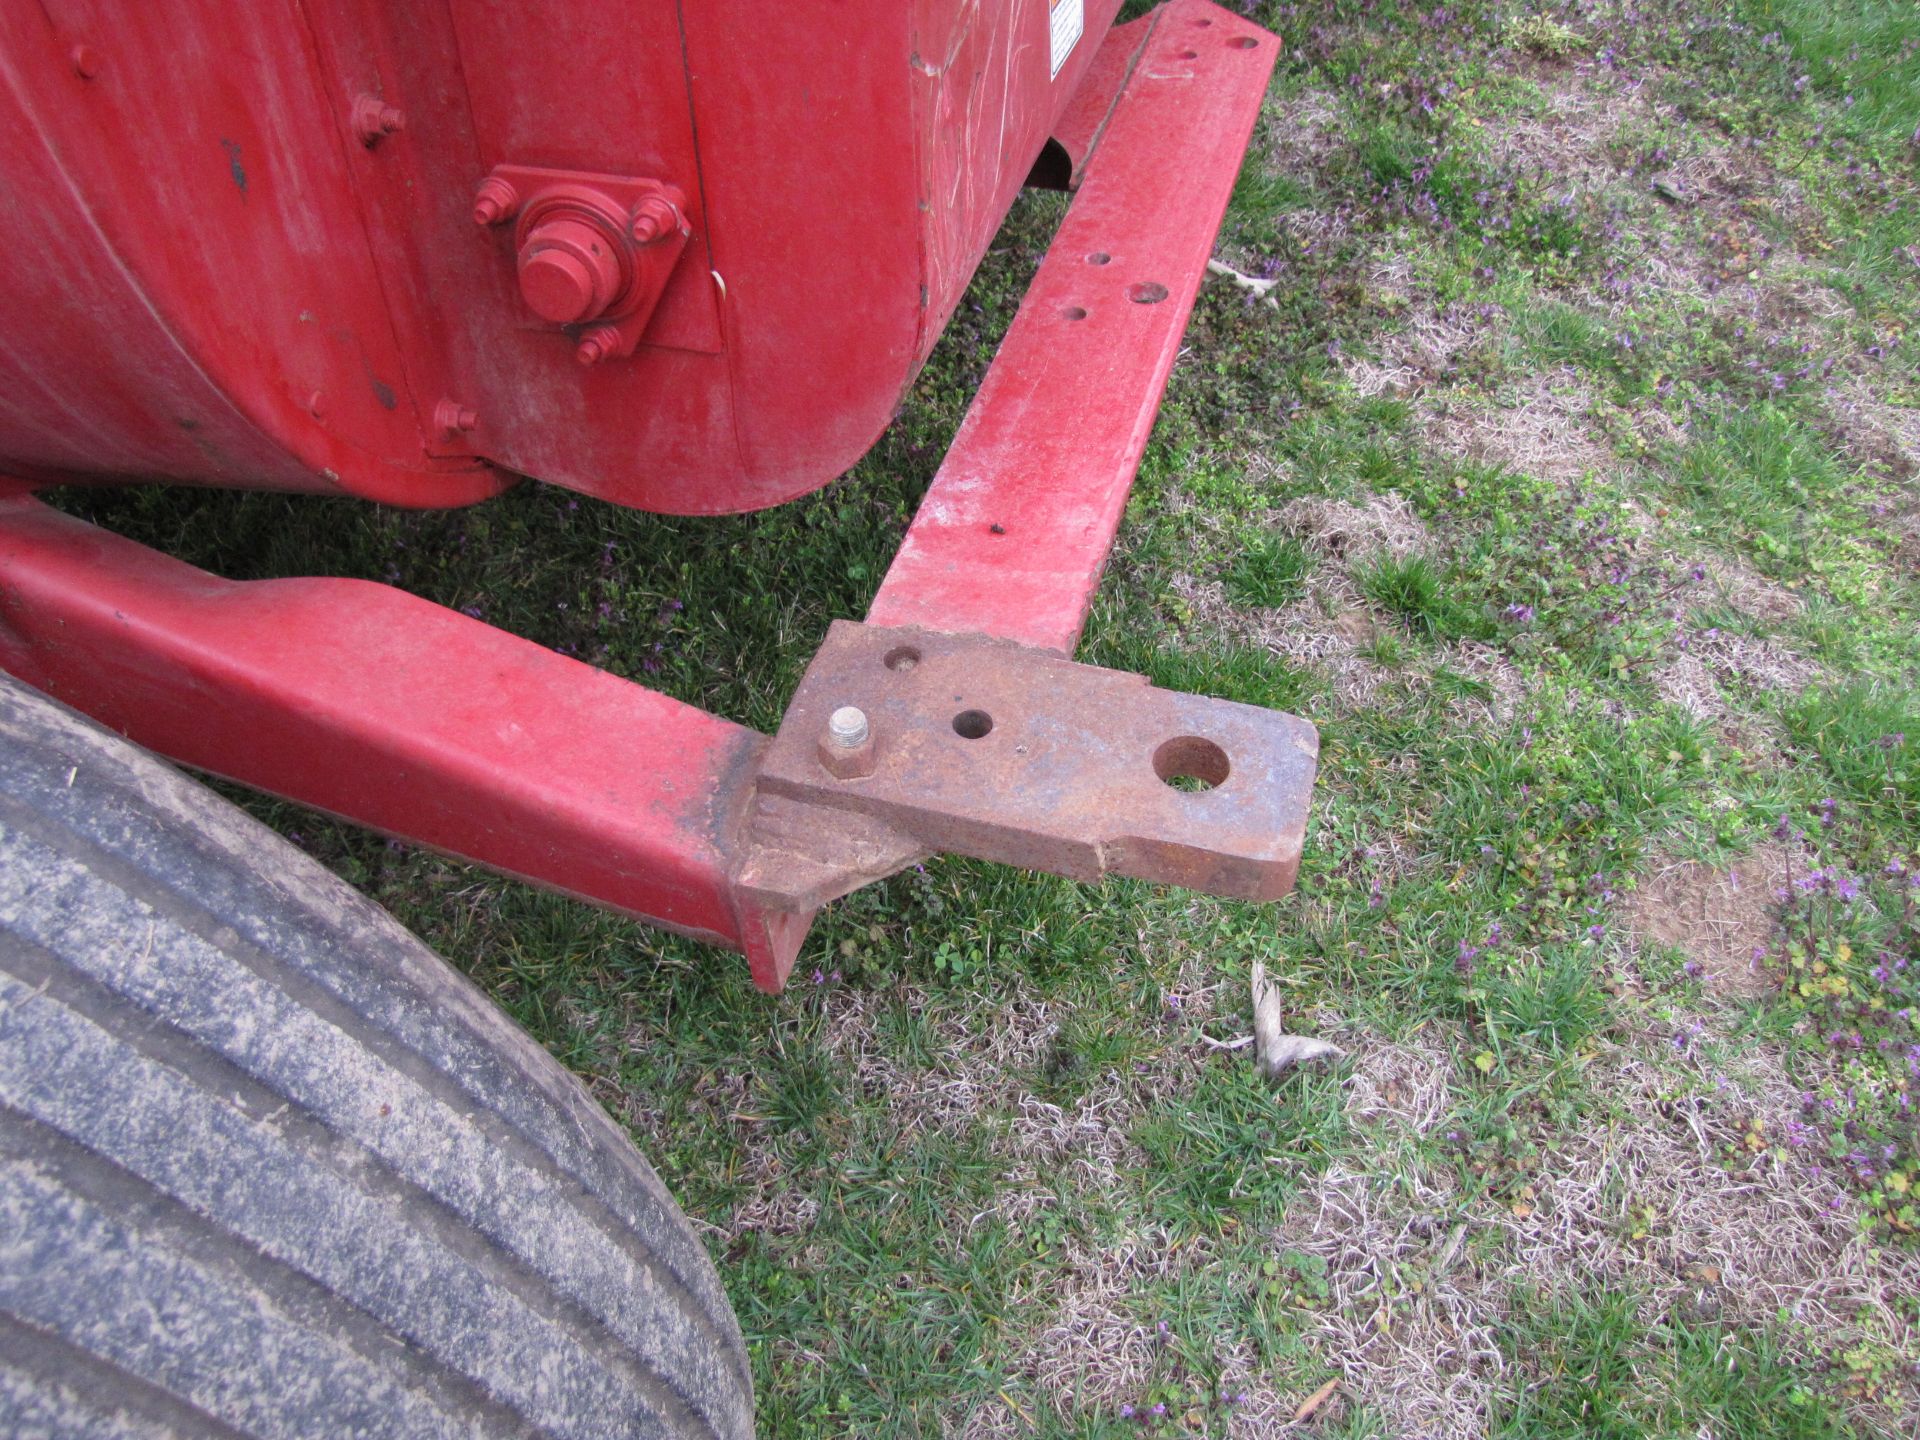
pixel 270 1167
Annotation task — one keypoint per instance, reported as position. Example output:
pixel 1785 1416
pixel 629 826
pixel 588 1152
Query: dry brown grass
pixel 1540 427
pixel 1666 1197
pixel 1330 624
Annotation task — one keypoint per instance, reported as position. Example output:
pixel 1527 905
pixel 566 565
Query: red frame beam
pixel 386 709
pixel 1012 537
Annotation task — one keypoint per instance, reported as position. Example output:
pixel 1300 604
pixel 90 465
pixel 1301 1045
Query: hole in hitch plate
pixel 1188 762
pixel 1188 55
pixel 901 658
pixel 1098 257
pixel 974 724
pixel 1147 292
pixel 1075 312
pixel 1245 42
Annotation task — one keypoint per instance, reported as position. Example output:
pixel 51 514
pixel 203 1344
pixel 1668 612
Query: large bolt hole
pixel 1147 292
pixel 1188 762
pixel 1245 42
pixel 972 724
pixel 1075 312
pixel 1099 257
pixel 901 658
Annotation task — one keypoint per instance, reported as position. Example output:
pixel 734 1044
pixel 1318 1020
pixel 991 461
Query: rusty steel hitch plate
pixel 1004 752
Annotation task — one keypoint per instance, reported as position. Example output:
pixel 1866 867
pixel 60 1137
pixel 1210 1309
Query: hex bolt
pixel 846 749
pixel 600 343
pixel 374 118
pixel 453 418
pixel 848 726
pixel 653 218
pixel 494 201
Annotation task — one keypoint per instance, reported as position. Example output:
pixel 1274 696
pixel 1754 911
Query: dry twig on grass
pixel 1255 286
pixel 1279 1051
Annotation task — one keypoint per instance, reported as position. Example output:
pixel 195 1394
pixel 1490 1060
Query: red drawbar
pixel 376 705
pixel 1012 536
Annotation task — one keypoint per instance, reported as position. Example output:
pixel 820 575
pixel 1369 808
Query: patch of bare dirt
pixel 1371 378
pixel 1544 432
pixel 1883 439
pixel 1874 433
pixel 1089 1346
pixel 1091 1349
pixel 1721 918
pixel 1429 345
pixel 1492 669
pixel 1304 129
pixel 974 1071
pixel 1568 134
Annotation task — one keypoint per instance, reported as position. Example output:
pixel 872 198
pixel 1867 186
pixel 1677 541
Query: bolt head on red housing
pixel 568 271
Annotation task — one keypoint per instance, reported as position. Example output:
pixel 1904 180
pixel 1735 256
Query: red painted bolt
pixel 453 418
pixel 86 61
pixel 373 118
pixel 653 218
pixel 600 343
pixel 494 201
pixel 568 271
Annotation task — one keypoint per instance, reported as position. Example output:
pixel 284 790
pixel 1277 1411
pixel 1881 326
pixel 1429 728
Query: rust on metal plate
pixel 1009 753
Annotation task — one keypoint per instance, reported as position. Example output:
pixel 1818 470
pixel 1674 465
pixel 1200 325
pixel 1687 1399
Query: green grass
pixel 982 1150
pixel 1271 572
pixel 1858 49
pixel 1867 735
pixel 1601 1365
pixel 1413 590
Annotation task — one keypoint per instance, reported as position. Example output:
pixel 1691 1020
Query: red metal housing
pixel 243 249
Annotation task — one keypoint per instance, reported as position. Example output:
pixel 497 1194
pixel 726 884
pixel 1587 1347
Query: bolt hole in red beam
pixel 973 724
pixel 1075 312
pixel 1189 762
pixel 1189 54
pixel 1098 257
pixel 1147 292
pixel 1245 42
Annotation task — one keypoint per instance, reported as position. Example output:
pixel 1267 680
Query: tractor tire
pixel 270 1167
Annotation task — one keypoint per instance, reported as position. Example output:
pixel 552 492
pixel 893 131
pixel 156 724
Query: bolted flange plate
pixel 1005 752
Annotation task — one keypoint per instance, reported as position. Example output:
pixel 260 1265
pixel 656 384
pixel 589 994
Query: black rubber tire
pixel 270 1167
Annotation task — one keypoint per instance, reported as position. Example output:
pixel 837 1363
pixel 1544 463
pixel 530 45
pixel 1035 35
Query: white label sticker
pixel 1069 19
